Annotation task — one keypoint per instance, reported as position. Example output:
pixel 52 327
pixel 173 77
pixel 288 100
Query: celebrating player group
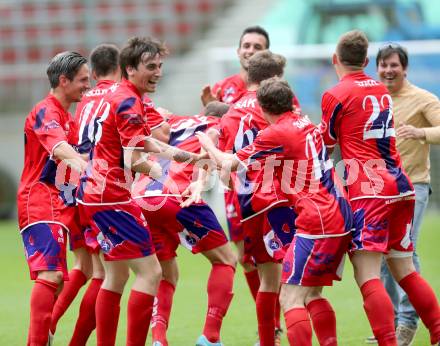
pixel 122 182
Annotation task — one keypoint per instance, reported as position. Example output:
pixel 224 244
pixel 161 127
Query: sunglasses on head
pixel 392 45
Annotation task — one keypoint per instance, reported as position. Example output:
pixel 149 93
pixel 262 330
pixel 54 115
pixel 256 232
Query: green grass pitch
pixel 239 327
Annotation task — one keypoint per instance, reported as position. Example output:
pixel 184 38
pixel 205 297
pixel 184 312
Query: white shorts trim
pixel 321 236
pixel 43 221
pixel 263 210
pixel 102 203
pixel 406 194
pixel 156 194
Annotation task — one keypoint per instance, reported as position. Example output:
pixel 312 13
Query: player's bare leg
pixel 219 289
pixel 164 301
pixel 78 276
pixel 267 297
pixel 419 292
pixel 377 303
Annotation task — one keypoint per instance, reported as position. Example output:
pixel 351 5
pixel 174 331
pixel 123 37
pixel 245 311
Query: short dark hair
pixel 352 49
pixel 389 49
pixel 255 30
pixel 216 109
pixel 275 96
pixel 265 64
pixel 131 55
pixel 104 59
pixel 66 63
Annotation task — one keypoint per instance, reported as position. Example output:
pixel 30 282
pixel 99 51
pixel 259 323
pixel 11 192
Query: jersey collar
pixel 131 86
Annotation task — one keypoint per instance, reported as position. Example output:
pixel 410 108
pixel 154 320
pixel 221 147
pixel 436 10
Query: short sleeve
pixel 48 128
pixel 131 123
pixel 331 111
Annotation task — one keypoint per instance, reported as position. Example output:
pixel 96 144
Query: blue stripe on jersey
pixel 157 185
pixel 39 118
pixel 329 184
pixel 244 200
pixel 263 153
pixel 332 121
pixel 49 171
pixel 125 105
pixel 85 145
pixel 68 193
pixel 178 137
pixel 383 146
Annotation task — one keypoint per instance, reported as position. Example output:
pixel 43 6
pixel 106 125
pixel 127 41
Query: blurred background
pixel 203 37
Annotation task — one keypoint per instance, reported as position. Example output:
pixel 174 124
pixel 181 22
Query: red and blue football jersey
pixel 122 125
pixel 154 118
pixel 87 113
pixel 292 152
pixel 238 129
pixel 234 87
pixel 43 192
pixel 176 176
pixel 231 88
pixel 357 113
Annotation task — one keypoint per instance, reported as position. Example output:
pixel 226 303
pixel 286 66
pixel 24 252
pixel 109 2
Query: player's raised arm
pixel 220 158
pixel 65 152
pixel 171 153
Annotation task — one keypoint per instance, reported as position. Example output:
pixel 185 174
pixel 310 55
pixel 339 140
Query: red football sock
pixel 253 281
pixel 139 310
pixel 424 301
pixel 42 302
pixel 86 321
pixel 107 316
pixel 266 302
pixel 323 320
pixel 76 280
pixel 220 283
pixel 278 313
pixel 162 311
pixel 380 312
pixel 299 329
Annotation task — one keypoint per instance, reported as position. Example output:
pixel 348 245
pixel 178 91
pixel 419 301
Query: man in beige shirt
pixel 417 123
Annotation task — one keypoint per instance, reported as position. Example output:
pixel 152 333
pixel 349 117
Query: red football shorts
pixel 45 248
pixel 76 234
pixel 195 227
pixel 383 225
pixel 268 235
pixel 118 230
pixel 315 262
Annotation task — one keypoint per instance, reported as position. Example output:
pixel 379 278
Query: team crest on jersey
pixel 134 118
pixel 53 124
pixel 229 94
